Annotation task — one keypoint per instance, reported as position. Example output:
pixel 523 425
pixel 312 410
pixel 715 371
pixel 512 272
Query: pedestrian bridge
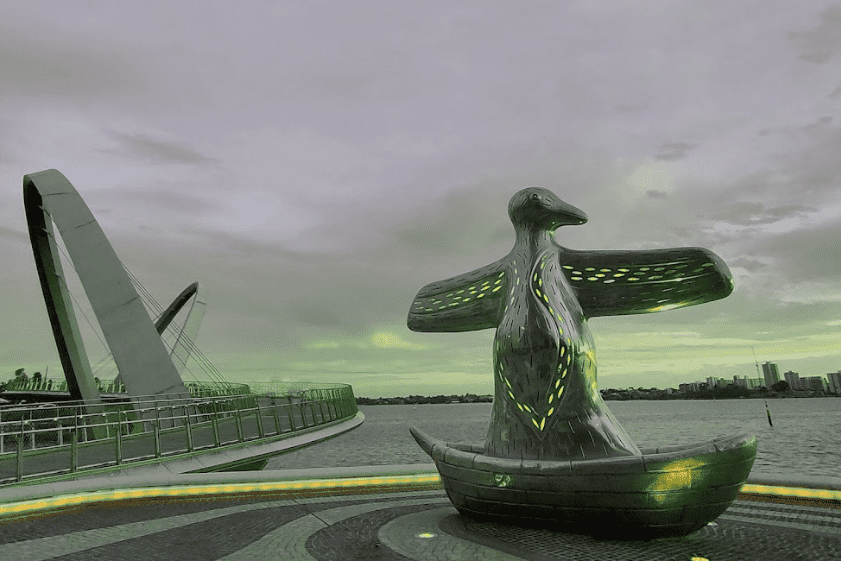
pixel 57 441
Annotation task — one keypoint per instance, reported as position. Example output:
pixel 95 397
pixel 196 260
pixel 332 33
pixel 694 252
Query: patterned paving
pixel 417 525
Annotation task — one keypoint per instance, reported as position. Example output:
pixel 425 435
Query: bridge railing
pixel 60 438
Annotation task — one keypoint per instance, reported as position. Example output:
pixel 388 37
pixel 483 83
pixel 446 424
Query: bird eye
pixel 535 197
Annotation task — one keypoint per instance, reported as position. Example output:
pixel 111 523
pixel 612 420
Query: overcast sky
pixel 314 164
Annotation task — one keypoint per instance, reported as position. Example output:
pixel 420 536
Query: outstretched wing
pixel 468 302
pixel 613 283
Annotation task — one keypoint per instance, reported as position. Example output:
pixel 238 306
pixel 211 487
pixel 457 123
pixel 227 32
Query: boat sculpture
pixel 554 452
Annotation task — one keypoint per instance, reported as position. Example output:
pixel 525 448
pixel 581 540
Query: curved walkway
pixel 371 513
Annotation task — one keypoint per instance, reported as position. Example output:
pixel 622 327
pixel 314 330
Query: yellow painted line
pixel 802 492
pixel 42 504
pixel 35 505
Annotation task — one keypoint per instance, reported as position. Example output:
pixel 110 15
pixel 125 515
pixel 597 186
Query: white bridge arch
pixel 145 365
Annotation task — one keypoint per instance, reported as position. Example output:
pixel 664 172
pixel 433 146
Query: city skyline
pixel 313 175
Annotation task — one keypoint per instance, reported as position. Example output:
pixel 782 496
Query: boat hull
pixel 670 491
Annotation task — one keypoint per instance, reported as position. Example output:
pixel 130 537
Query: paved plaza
pixel 417 522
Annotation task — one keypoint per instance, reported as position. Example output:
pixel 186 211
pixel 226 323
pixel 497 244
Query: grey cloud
pixel 835 93
pixel 13 235
pixel 804 255
pixel 225 245
pixel 820 125
pixel 655 194
pixel 823 121
pixel 630 107
pixel 159 151
pixel 463 221
pixel 752 213
pixel 67 69
pixel 795 182
pixel 673 151
pixel 820 43
pixel 170 199
pixel 747 263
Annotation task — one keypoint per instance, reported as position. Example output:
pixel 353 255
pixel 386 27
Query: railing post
pixel 276 418
pixel 188 427
pixel 119 437
pixel 303 414
pixel 238 420
pixel 19 462
pixel 2 433
pixel 259 419
pixel 74 446
pixel 214 422
pixel 289 413
pixel 157 431
pixel 321 408
pixel 32 425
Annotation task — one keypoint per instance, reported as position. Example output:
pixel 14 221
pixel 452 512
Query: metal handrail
pixel 48 428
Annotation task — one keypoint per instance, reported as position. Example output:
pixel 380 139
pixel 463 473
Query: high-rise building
pixel 690 387
pixel 793 379
pixel 714 382
pixel 834 382
pixel 816 383
pixel 771 374
pixel 741 381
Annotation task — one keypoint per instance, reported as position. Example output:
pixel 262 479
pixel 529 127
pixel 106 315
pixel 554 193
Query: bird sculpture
pixel 547 405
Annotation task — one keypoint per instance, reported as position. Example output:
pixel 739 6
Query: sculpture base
pixel 665 492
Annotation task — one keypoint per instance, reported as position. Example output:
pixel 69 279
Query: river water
pixel 805 438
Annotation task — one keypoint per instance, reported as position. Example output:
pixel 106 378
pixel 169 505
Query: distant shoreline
pixel 437 400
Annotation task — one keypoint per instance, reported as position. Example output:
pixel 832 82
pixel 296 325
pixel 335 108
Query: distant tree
pixel 781 386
